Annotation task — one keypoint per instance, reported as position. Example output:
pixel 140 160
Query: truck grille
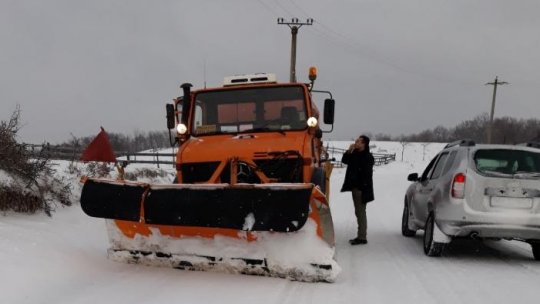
pixel 284 170
pixel 198 172
pixel 288 170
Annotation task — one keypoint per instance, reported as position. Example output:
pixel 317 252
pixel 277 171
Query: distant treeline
pixel 506 130
pixel 139 141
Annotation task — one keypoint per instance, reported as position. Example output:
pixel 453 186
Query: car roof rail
pixel 532 144
pixel 461 143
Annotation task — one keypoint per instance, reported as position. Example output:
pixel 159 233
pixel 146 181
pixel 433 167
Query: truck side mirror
pixel 170 116
pixel 329 105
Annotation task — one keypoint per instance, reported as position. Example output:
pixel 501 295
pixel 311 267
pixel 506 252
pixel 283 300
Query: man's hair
pixel 365 139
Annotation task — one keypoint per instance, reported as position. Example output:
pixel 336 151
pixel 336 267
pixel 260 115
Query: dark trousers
pixel 360 211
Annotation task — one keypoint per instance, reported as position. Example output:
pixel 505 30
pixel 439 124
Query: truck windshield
pixel 503 162
pixel 250 110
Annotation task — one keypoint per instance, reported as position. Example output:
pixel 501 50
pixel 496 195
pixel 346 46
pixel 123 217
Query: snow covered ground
pixel 63 259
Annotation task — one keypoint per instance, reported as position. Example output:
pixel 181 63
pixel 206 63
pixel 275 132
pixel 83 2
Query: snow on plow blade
pixel 281 230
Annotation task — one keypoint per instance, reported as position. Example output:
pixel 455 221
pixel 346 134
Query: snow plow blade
pixel 276 208
pixel 112 200
pixel 279 230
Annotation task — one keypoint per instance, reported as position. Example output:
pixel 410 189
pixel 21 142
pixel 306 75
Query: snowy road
pixel 63 260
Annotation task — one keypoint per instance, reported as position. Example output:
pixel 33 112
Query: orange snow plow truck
pixel 252 186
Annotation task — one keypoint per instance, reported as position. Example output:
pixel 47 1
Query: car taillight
pixel 458 186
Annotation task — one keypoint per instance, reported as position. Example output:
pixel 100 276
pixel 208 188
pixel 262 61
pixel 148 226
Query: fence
pixel 336 153
pixel 156 158
pixel 74 153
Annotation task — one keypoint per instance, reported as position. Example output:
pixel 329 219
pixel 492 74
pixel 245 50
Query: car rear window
pixel 506 162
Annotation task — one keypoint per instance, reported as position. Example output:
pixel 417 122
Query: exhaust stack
pixel 186 101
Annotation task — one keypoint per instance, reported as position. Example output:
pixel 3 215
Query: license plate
pixel 511 202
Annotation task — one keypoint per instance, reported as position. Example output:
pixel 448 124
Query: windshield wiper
pixel 214 133
pixel 263 129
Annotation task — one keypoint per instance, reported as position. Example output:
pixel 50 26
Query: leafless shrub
pixel 98 169
pixel 33 186
pixel 16 199
pixel 145 173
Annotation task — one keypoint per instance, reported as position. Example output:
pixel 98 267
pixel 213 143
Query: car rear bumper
pixel 458 220
pixel 521 232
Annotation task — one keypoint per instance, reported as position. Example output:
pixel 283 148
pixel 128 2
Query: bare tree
pixel 424 145
pixel 403 144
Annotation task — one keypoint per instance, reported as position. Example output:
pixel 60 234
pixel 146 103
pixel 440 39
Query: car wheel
pixel 431 248
pixel 536 249
pixel 405 222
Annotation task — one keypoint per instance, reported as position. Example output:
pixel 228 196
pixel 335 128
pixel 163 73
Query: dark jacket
pixel 359 173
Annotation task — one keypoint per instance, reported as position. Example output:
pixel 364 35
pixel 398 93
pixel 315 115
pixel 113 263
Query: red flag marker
pixel 99 149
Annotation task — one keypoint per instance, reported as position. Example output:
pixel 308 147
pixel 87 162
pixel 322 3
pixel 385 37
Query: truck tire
pixel 319 179
pixel 405 222
pixel 431 248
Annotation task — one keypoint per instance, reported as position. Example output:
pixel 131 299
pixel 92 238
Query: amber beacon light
pixel 312 73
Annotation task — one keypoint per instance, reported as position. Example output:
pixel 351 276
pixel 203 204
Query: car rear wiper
pixel 526 174
pixel 497 173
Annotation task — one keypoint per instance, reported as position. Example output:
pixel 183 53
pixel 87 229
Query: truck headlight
pixel 312 122
pixel 181 128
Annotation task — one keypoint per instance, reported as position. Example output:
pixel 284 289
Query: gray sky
pixel 393 66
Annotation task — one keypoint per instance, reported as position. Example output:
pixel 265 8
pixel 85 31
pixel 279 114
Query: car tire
pixel 535 245
pixel 431 248
pixel 405 222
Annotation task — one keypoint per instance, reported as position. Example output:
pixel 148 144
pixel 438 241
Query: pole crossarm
pixel 295 22
pixel 497 83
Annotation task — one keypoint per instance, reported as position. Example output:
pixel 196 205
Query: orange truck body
pixel 247 173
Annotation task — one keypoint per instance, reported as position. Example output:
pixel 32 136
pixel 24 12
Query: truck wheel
pixel 535 245
pixel 318 179
pixel 431 248
pixel 405 222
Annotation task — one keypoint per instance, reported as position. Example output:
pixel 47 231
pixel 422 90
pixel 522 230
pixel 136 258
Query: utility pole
pixel 294 24
pixel 490 127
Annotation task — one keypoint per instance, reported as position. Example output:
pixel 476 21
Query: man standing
pixel 359 180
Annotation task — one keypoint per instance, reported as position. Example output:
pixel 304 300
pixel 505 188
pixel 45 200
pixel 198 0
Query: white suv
pixel 477 191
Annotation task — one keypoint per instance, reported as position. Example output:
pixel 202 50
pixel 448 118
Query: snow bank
pixel 63 259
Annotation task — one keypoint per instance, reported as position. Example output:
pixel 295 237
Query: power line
pixel 299 8
pixel 328 33
pixel 268 8
pixel 287 12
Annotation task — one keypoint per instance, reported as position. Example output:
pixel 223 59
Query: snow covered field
pixel 63 259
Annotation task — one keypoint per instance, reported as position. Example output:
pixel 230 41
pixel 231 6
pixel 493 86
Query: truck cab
pixel 269 130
